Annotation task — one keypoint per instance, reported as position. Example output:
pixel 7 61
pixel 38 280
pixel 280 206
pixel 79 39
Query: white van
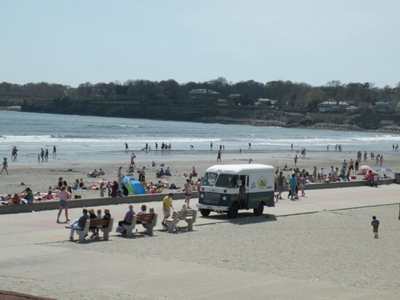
pixel 228 188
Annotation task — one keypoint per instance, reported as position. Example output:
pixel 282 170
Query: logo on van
pixel 262 183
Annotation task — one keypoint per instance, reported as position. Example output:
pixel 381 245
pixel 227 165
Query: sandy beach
pixel 39 177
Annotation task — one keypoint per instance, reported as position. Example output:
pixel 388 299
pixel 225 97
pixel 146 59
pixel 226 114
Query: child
pixel 96 232
pixel 375 226
pixel 143 209
pixel 102 189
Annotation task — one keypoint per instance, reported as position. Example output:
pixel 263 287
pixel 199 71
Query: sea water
pixel 87 138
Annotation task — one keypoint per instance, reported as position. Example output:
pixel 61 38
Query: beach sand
pixel 39 177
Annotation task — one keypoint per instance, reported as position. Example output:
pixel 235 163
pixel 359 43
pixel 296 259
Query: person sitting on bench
pixel 128 219
pixel 78 224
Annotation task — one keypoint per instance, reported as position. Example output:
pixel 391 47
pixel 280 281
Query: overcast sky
pixel 312 41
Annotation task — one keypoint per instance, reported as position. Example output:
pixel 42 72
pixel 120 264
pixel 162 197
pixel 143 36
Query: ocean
pixel 85 138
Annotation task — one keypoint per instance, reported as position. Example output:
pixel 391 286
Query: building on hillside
pixel 332 106
pixel 234 96
pixel 204 92
pixel 265 102
pixel 398 107
pixel 351 109
pixel 382 106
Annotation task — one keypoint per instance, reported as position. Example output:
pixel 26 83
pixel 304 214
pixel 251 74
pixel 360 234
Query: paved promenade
pixel 36 257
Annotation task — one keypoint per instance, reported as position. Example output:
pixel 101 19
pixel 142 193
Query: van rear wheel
pixel 205 212
pixel 233 211
pixel 258 211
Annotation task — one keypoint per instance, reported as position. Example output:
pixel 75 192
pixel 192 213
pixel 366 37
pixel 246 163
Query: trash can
pixel 397 177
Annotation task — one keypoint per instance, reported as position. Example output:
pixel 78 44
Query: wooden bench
pixel 149 221
pixel 105 226
pixel 183 215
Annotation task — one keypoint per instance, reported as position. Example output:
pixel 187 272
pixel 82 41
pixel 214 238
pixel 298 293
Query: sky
pixel 312 41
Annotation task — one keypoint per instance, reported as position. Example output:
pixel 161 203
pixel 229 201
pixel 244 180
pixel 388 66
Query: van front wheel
pixel 205 212
pixel 258 211
pixel 233 211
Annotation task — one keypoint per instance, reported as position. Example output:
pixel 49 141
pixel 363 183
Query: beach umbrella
pixel 365 167
pixel 383 170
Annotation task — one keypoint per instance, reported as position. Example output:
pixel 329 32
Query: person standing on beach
pixel 249 146
pixel 133 159
pixel 167 205
pixel 46 155
pixel 188 192
pixel 293 186
pixel 5 166
pixel 126 147
pixel 120 175
pixel 381 160
pixel 219 156
pixel 279 186
pixel 156 146
pixel 42 154
pixel 63 195
pixel 54 151
pixel 295 160
pixel 291 147
pixel 375 226
pixel 211 145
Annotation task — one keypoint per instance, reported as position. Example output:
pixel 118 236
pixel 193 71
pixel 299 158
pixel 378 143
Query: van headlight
pixel 202 196
pixel 224 198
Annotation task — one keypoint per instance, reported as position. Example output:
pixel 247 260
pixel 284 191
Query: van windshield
pixel 227 181
pixel 209 179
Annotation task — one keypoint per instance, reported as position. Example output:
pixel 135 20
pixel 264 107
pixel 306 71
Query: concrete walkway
pixel 31 262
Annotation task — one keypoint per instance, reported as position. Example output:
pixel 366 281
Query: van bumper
pixel 212 207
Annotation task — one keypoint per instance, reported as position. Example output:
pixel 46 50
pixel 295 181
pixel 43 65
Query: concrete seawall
pixel 76 203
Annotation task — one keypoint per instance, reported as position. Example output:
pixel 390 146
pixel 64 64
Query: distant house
pixel 204 92
pixel 332 106
pixel 234 96
pixel 382 106
pixel 266 102
pixel 398 107
pixel 351 109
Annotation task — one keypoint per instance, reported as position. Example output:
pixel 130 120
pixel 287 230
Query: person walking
pixel 167 205
pixel 375 226
pixel 5 166
pixel 64 196
pixel 219 156
pixel 188 192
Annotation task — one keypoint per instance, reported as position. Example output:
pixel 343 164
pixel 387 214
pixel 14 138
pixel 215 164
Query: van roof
pixel 238 168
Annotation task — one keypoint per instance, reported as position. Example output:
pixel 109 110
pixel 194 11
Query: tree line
pixel 288 94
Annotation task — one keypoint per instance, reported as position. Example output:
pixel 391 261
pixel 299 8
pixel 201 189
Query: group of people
pixel 96 173
pixel 25 197
pixel 293 184
pixel 79 224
